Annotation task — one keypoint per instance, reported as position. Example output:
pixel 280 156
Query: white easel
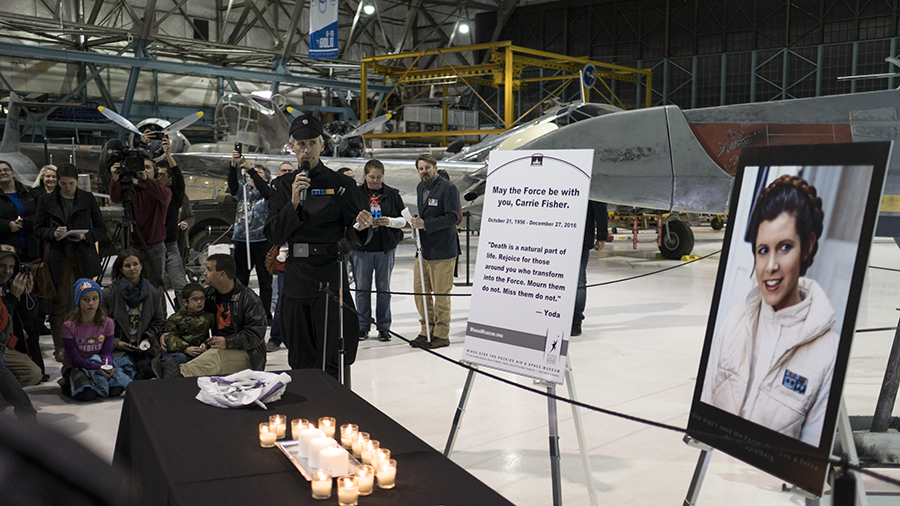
pixel 844 432
pixel 553 422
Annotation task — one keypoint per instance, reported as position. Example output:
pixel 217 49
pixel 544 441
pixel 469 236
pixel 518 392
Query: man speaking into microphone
pixel 312 210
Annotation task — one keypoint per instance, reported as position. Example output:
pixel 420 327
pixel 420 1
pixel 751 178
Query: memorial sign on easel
pixel 526 272
pixel 784 309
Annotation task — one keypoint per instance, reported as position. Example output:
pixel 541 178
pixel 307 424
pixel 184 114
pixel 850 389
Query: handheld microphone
pixel 304 169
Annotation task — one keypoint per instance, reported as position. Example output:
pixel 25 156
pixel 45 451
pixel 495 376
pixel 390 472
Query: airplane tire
pixel 716 222
pixel 678 242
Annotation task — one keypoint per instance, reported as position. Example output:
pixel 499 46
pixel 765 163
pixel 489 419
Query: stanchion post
pixel 579 432
pixel 555 471
pixel 325 337
pixel 468 282
pixel 460 411
pixel 341 343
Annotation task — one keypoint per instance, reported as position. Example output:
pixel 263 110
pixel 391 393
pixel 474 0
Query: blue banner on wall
pixel 323 27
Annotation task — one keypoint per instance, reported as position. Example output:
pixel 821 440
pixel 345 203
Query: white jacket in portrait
pixel 774 368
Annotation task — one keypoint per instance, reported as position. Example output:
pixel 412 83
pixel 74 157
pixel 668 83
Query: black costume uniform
pixel 332 204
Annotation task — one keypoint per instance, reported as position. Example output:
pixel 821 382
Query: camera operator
pixel 149 204
pixel 170 176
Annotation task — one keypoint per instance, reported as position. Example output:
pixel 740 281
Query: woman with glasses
pixel 18 204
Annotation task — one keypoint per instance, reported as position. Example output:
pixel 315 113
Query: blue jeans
pixel 275 334
pixel 581 292
pixel 179 357
pixel 364 263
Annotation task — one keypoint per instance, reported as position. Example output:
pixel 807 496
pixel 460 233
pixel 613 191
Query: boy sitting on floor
pixel 187 330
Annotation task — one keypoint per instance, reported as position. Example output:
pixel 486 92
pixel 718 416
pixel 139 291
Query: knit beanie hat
pixel 85 285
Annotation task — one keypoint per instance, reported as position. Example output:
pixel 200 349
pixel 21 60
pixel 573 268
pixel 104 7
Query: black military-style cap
pixel 306 127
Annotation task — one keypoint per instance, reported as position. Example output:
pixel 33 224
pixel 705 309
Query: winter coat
pixel 793 395
pixel 85 215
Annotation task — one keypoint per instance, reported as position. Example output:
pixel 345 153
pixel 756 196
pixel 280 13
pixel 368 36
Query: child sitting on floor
pixel 187 330
pixel 89 369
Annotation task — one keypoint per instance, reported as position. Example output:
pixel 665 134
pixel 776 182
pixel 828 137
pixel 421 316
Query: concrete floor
pixel 639 355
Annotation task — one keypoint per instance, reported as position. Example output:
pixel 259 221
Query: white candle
pixel 360 439
pixel 386 472
pixel 266 436
pixel 326 425
pixel 335 459
pixel 298 425
pixel 321 484
pixel 348 434
pixel 366 475
pixel 348 491
pixel 317 445
pixel 369 449
pixel 304 439
pixel 279 422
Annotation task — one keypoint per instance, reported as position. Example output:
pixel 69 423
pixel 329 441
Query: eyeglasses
pixel 197 299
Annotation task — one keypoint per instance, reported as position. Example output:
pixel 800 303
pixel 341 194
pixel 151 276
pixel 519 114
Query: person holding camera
pixel 69 220
pixel 10 385
pixel 15 292
pixel 169 176
pixel 251 229
pixel 149 205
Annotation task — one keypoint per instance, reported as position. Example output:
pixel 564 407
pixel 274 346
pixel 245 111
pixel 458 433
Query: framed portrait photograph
pixel 800 227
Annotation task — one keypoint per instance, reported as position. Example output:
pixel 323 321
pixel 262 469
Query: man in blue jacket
pixel 439 213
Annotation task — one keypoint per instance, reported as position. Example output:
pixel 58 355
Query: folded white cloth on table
pixel 242 388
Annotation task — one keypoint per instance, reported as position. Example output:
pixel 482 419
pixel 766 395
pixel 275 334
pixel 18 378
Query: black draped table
pixel 183 452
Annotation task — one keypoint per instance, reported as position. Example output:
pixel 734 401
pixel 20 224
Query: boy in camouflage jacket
pixel 187 330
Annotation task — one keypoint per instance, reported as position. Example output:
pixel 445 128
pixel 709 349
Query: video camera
pixel 130 160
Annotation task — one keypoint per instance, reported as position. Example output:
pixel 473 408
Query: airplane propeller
pixel 358 131
pixel 171 129
pixel 118 119
pixel 363 129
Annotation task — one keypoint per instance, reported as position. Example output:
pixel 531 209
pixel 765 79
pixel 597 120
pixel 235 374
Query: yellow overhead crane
pixel 507 62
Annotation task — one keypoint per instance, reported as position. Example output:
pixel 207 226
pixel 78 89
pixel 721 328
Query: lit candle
pixel 303 441
pixel 321 483
pixel 381 455
pixel 335 459
pixel 348 434
pixel 279 422
pixel 386 472
pixel 361 439
pixel 266 436
pixel 348 491
pixel 298 425
pixel 366 475
pixel 326 425
pixel 368 450
pixel 317 445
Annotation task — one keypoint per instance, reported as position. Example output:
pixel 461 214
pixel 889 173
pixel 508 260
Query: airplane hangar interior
pixel 714 361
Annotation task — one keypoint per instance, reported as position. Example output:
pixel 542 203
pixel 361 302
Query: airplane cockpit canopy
pixel 255 121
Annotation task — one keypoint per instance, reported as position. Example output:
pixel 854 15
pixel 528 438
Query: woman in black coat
pixel 17 208
pixel 68 208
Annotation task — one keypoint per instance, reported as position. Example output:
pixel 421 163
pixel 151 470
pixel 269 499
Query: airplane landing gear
pixel 677 239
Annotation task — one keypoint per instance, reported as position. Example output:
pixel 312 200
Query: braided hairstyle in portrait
pixel 794 196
